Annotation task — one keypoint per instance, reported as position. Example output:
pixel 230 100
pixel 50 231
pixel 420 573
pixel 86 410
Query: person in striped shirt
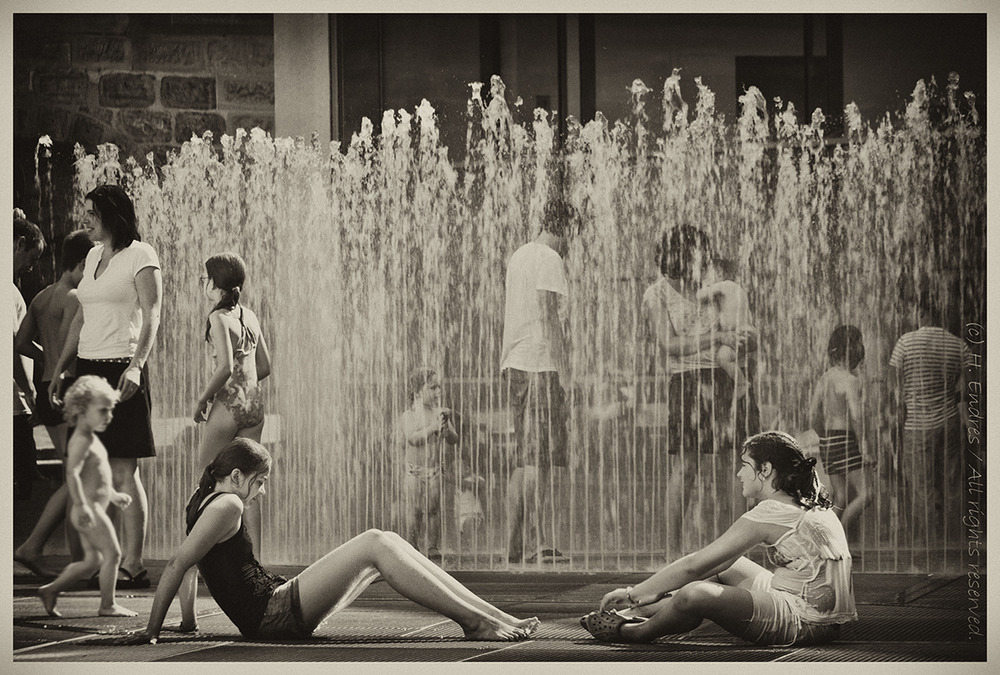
pixel 929 364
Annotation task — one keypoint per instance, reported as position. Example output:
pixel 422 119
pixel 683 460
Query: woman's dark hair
pixel 676 249
pixel 117 213
pixel 247 455
pixel 228 272
pixel 75 247
pixel 417 380
pixel 795 474
pixel 846 346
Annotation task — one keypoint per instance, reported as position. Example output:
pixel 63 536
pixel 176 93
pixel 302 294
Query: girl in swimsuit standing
pixel 241 361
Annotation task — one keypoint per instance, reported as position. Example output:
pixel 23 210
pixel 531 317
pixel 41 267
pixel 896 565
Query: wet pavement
pixel 903 618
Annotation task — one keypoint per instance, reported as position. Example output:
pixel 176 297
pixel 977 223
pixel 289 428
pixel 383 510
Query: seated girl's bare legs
pixel 456 587
pixel 740 574
pixel 728 606
pixel 340 576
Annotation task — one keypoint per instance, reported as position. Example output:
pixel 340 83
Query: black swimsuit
pixel 237 581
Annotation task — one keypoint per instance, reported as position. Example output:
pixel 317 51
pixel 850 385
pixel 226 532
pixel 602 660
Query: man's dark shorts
pixel 540 416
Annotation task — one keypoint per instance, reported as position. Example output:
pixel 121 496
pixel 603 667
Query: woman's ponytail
pixel 796 473
pixel 811 493
pixel 205 486
pixel 228 272
pixel 245 454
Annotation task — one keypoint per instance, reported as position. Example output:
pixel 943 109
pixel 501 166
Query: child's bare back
pixel 834 393
pixel 53 310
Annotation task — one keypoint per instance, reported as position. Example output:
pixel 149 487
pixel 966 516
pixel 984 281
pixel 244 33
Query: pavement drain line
pixel 91 636
pixel 493 652
pixel 44 645
pixel 423 628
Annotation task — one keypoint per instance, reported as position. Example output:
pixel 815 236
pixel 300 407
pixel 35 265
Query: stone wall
pixel 144 82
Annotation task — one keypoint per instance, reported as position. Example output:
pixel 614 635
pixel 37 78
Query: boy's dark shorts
pixel 540 416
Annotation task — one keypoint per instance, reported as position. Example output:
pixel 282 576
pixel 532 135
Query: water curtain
pixel 368 260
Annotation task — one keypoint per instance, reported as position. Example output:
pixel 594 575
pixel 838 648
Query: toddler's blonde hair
pixel 83 392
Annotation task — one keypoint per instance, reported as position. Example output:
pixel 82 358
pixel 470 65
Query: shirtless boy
pixel 47 323
pixel 88 405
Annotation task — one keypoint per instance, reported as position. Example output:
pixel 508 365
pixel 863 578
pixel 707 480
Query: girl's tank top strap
pixel 211 498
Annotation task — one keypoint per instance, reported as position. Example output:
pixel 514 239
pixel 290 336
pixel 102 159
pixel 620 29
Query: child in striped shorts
pixel 835 414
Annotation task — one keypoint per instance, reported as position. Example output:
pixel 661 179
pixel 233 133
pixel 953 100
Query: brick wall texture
pixel 143 82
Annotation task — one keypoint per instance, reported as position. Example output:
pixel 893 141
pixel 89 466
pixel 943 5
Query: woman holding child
pixel 709 411
pixel 112 336
pixel 264 605
pixel 803 601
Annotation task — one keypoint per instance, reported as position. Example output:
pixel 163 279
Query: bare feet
pixel 48 598
pixel 529 625
pixel 116 610
pixel 494 630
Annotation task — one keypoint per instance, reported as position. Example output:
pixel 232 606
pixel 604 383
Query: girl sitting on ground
pixel 803 601
pixel 264 605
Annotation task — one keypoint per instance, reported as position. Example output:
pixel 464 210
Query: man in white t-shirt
pixel 534 363
pixel 28 247
pixel 930 365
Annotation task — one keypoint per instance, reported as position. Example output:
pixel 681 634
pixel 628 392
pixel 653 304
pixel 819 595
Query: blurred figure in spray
pixel 535 366
pixel 28 247
pixel 929 365
pixel 422 431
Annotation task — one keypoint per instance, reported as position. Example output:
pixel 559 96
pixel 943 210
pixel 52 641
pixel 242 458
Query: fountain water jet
pixel 368 261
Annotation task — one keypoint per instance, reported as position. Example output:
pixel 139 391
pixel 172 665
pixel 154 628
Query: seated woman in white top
pixel 803 601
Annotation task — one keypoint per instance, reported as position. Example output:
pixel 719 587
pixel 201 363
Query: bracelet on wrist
pixel 631 600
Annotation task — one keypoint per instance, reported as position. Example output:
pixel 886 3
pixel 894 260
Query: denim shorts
pixel 775 621
pixel 283 616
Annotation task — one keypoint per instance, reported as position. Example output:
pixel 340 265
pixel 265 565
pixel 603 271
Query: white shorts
pixel 776 620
